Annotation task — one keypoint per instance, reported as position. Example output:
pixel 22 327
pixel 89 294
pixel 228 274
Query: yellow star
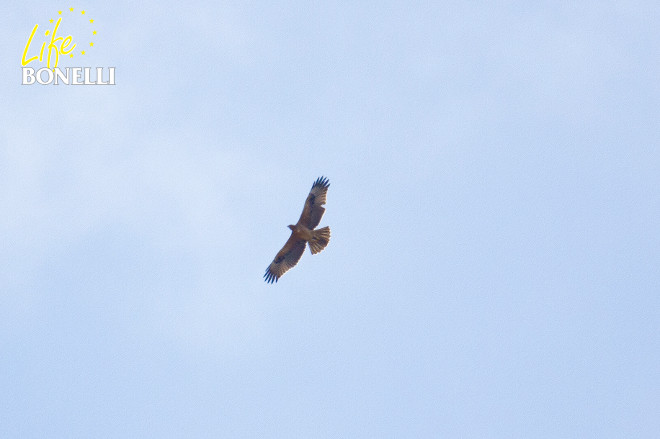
pixel 94 32
pixel 91 21
pixel 71 55
pixel 59 12
pixel 82 12
pixel 71 9
pixel 91 44
pixel 82 53
pixel 47 32
pixel 51 20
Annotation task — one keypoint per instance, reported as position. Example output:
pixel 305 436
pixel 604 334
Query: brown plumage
pixel 303 232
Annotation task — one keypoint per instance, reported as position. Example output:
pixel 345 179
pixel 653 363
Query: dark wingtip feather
pixel 269 277
pixel 321 181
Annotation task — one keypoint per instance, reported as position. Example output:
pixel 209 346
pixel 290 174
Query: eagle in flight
pixel 303 232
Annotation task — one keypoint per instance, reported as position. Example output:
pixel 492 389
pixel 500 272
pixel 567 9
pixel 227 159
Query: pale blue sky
pixel 494 203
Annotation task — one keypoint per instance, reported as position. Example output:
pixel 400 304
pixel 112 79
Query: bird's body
pixel 302 233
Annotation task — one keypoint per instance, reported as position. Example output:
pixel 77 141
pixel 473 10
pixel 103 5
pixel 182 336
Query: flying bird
pixel 302 233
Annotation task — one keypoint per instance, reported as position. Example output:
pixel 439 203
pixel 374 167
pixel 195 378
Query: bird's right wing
pixel 285 259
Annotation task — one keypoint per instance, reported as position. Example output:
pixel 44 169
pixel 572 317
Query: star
pixel 92 43
pixel 59 12
pixel 91 21
pixel 71 55
pixel 71 9
pixel 82 53
pixel 82 12
pixel 94 32
pixel 51 20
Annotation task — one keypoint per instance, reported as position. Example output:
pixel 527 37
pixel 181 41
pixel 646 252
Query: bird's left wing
pixel 285 259
pixel 313 210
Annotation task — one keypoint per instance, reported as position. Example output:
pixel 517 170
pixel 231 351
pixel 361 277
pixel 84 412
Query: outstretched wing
pixel 285 259
pixel 313 210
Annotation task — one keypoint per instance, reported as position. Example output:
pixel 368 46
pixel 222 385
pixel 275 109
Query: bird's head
pixel 291 226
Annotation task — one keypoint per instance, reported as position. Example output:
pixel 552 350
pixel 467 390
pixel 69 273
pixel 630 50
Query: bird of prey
pixel 303 232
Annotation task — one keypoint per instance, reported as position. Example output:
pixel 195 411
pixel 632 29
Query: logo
pixel 46 48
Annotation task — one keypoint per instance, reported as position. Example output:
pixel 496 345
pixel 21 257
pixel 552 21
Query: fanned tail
pixel 320 239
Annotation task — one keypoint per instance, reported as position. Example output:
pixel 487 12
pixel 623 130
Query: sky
pixel 493 270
